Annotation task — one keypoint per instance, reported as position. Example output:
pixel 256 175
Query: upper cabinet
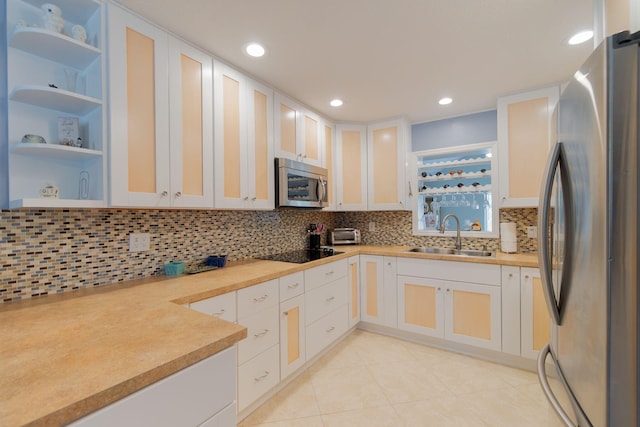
pixel 387 188
pixel 160 117
pixel 526 131
pixel 244 164
pixel 328 134
pixel 56 118
pixel 351 167
pixel 298 132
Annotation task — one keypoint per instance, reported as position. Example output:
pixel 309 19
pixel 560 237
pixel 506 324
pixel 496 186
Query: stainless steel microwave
pixel 300 185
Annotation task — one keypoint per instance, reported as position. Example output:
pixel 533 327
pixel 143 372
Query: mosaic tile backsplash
pixel 51 251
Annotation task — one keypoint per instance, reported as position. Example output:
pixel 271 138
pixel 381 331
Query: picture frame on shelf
pixel 68 131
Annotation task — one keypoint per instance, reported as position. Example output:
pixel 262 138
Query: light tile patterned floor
pixel 375 381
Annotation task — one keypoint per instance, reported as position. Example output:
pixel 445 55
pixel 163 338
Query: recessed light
pixel 336 102
pixel 254 49
pixel 445 101
pixel 581 37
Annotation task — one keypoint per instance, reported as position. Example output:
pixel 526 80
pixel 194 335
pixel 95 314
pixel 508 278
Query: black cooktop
pixel 301 256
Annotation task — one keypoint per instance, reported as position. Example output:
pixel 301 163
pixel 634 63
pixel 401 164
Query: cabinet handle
pixel 260 299
pixel 179 194
pixel 329 273
pixel 331 298
pixel 526 276
pixel 253 199
pixel 261 377
pixel 410 190
pixel 261 334
pixel 448 290
pixel 510 274
pixel 246 198
pixel 218 313
pixel 331 329
pixel 439 289
pixel 389 263
pixel 164 194
pixel 293 286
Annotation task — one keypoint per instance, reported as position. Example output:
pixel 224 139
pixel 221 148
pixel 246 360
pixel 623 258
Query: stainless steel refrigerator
pixel 589 225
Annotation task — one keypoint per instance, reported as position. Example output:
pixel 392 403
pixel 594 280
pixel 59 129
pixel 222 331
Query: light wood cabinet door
pixel 386 166
pixel 191 126
pixel 526 132
pixel 351 167
pixel 473 314
pixel 535 320
pixel 421 305
pixel 243 141
pixel 292 335
pixel 354 290
pixel 139 112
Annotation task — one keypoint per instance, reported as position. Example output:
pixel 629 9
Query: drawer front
pixel 255 298
pixel 471 272
pixel 262 333
pixel 323 274
pixel 291 285
pixel 222 306
pixel 327 329
pixel 258 376
pixel 325 299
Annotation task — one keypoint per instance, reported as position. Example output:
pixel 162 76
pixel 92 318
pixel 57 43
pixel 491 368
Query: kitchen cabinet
pixel 526 323
pixel 297 132
pixel 222 306
pixel 457 301
pixel 329 131
pixel 292 323
pixel 53 78
pixel 326 302
pixel 243 158
pixel 387 143
pixel 535 320
pixel 460 181
pixel 161 151
pixel 202 393
pixel 259 353
pixel 351 167
pixel 354 290
pixel 526 131
pixel 378 290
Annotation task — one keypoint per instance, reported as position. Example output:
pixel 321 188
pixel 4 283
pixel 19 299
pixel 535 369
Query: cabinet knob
pixel 179 194
pixel 448 290
pixel 510 274
pixel 526 276
pixel 164 194
pixel 439 289
pixel 389 263
pixel 246 198
pixel 253 199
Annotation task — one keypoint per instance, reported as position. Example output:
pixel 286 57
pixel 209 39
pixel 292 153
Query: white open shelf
pixel 465 162
pixel 448 177
pixel 56 47
pixel 55 99
pixel 56 151
pixel 55 203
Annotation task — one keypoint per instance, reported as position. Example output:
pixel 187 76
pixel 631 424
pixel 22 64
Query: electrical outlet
pixel 139 242
pixel 532 232
pixel 372 226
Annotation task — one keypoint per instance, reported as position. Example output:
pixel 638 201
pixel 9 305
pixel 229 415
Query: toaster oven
pixel 344 236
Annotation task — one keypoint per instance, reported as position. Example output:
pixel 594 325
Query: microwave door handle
pixel 543 226
pixel 320 189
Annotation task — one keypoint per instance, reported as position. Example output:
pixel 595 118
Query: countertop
pixel 64 356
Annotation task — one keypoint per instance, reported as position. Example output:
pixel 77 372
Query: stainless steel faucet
pixel 444 222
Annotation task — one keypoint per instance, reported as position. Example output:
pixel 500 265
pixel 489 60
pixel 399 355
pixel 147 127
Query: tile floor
pixel 374 380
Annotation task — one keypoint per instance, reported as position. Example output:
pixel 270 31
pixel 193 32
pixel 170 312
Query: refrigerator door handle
pixel 543 226
pixel 583 421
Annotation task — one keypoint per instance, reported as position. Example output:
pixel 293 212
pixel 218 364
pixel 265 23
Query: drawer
pixel 291 285
pixel 325 330
pixel 471 272
pixel 325 299
pixel 255 298
pixel 222 306
pixel 262 332
pixel 258 376
pixel 323 274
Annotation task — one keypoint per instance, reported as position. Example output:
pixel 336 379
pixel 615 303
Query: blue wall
pixel 461 130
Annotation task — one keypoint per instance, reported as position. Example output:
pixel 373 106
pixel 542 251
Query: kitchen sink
pixel 449 251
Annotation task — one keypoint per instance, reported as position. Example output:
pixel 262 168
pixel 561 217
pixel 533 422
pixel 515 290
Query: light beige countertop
pixel 64 356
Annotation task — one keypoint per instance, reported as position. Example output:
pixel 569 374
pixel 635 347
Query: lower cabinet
pixel 466 310
pixel 292 335
pixel 354 290
pixel 526 323
pixel 202 394
pixel 378 290
pixel 327 329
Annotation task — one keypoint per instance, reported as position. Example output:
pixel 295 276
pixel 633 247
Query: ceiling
pixel 388 58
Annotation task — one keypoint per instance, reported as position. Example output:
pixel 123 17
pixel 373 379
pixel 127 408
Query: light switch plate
pixel 372 226
pixel 139 242
pixel 532 232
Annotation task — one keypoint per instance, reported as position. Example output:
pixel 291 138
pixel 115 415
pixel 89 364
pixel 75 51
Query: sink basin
pixel 449 251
